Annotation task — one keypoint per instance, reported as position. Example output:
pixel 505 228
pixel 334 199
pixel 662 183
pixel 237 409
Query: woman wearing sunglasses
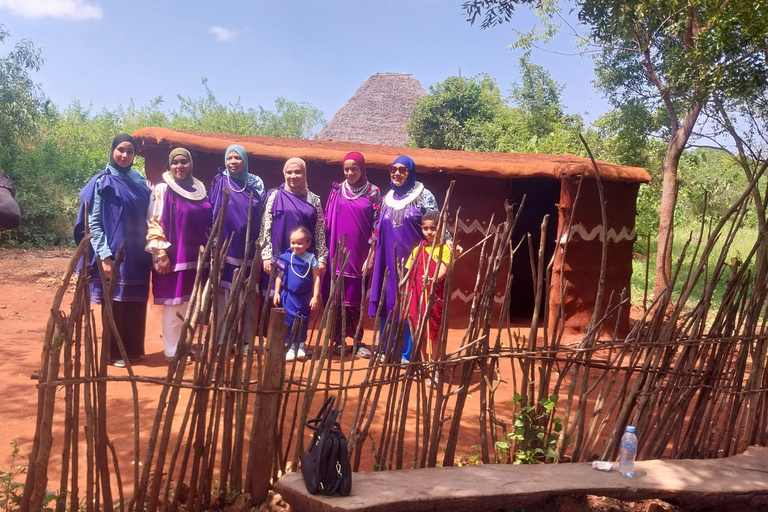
pixel 399 229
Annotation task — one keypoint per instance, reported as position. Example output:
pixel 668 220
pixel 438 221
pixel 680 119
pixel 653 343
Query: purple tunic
pixel 288 212
pixel 124 205
pixel 355 219
pixel 186 223
pixel 406 233
pixel 236 223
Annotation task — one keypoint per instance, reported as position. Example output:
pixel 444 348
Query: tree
pixel 669 55
pixel 470 114
pixel 207 114
pixel 538 96
pixel 22 103
pixel 456 114
pixel 290 120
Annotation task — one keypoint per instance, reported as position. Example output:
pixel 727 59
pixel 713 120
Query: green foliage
pixel 207 114
pixel 10 489
pixel 493 12
pixel 22 103
pixel 455 113
pixel 531 424
pixel 469 114
pixel 694 48
pixel 538 97
pixel 63 149
pixel 741 247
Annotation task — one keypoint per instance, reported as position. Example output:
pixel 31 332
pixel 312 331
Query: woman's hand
pixel 267 266
pixel 163 265
pixel 314 302
pixel 107 263
pixel 276 300
pixel 321 268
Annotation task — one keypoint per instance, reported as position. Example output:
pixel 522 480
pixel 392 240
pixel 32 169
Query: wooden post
pixel 267 408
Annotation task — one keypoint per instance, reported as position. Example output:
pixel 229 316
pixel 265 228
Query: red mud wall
pixel 479 199
pixel 580 272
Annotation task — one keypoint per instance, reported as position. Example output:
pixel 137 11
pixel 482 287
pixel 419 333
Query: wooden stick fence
pixel 695 383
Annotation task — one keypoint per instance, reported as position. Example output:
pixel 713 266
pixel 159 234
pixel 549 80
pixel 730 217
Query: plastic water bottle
pixel 628 452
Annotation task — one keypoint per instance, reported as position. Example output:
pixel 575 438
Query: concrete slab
pixel 740 481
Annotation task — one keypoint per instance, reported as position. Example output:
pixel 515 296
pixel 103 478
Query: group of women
pixel 163 227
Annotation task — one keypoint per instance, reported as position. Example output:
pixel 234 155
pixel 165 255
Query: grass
pixel 740 248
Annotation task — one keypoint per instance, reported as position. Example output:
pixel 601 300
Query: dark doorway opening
pixel 541 198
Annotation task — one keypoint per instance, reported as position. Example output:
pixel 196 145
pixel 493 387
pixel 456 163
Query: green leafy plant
pixel 10 489
pixel 531 442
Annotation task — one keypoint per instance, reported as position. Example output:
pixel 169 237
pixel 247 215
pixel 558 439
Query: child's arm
pixel 278 286
pixel 316 299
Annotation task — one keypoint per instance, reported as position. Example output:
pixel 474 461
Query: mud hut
pixel 484 181
pixel 378 111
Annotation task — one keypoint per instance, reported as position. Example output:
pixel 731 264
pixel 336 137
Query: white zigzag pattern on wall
pixel 597 232
pixel 475 225
pixel 458 294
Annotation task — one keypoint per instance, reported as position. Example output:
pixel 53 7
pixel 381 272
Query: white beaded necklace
pixel 229 179
pixel 347 190
pixel 293 269
pixel 399 204
pixel 196 195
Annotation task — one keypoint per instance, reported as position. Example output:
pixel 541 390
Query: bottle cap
pixel 631 429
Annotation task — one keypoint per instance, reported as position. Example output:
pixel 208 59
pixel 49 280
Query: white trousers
pixel 172 327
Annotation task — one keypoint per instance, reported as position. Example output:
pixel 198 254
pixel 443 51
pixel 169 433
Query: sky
pixel 107 53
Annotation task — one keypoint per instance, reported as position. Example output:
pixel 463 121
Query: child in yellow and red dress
pixel 429 269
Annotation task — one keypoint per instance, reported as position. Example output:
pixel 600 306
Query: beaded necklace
pixel 346 189
pixel 293 269
pixel 229 179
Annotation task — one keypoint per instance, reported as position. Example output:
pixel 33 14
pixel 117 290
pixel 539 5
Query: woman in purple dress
pixel 179 220
pixel 352 211
pixel 118 198
pixel 241 184
pixel 399 226
pixel 290 205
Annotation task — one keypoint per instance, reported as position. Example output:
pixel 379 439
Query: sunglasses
pixel 398 170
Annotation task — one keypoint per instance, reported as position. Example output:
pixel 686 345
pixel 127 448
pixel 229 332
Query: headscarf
pixel 360 161
pixel 189 179
pixel 123 137
pixel 301 190
pixel 410 180
pixel 240 150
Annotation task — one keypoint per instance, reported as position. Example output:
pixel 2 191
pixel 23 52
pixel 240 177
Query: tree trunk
pixel 669 198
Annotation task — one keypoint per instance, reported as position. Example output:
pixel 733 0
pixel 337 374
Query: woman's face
pixel 294 176
pixel 398 173
pixel 234 162
pixel 352 171
pixel 123 154
pixel 180 167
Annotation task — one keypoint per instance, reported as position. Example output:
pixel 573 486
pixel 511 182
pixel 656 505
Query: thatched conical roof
pixel 378 111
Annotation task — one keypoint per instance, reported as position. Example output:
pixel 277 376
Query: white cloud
pixel 221 33
pixel 63 9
